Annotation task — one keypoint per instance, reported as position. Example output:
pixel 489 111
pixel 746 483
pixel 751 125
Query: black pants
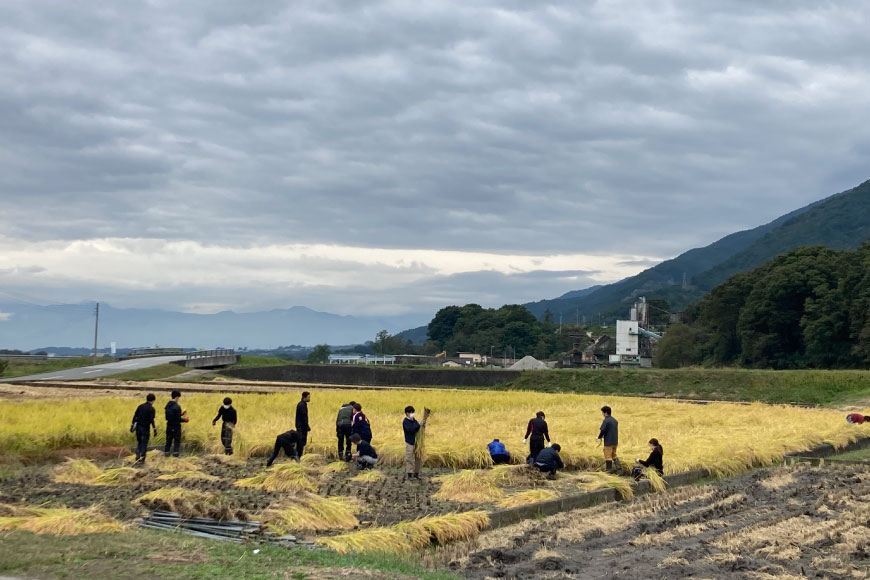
pixel 501 459
pixel 292 451
pixel 303 440
pixel 343 432
pixel 536 444
pixel 227 437
pixel 173 439
pixel 142 437
pixel 546 468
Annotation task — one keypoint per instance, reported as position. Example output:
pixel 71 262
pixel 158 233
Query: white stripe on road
pixel 55 377
pixel 94 371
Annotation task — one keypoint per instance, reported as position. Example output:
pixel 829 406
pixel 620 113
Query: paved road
pixel 103 370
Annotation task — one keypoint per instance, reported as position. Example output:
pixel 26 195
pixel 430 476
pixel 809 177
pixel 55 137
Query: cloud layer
pixel 403 133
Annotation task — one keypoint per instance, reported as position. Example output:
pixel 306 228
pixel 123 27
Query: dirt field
pixel 783 523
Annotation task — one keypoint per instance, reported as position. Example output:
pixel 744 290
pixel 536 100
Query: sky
pixel 396 157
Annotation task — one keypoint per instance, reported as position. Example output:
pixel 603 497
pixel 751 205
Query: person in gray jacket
pixel 610 434
pixel 344 429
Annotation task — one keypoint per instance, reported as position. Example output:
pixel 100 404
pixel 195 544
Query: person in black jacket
pixel 654 460
pixel 174 418
pixel 366 456
pixel 143 422
pixel 228 413
pixel 344 430
pixel 536 432
pixel 610 434
pixel 289 441
pixel 302 426
pixel 549 461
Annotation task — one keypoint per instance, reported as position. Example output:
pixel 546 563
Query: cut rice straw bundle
pixel 187 476
pixel 369 476
pixel 168 464
pixel 117 476
pixel 657 482
pixel 514 475
pixel 372 540
pixel 467 486
pixel 420 438
pixel 312 512
pixel 336 467
pixel 81 471
pixel 186 502
pixel 527 497
pixel 224 459
pixel 283 477
pixel 593 480
pixel 453 527
pixel 313 460
pixel 60 521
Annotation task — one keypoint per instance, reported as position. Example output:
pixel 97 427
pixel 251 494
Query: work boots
pixel 617 466
pixel 608 466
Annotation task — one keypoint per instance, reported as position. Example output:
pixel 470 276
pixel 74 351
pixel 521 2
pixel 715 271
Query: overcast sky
pixel 395 157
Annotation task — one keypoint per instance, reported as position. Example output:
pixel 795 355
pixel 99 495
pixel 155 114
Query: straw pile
pixel 593 480
pixel 307 511
pixel 189 475
pixel 81 471
pixel 187 502
pixel 467 486
pixel 527 497
pixel 57 521
pixel 283 477
pixel 369 476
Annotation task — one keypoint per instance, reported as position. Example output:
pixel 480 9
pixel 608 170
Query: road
pixel 103 370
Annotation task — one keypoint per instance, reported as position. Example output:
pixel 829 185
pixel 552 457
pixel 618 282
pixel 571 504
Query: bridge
pixel 204 359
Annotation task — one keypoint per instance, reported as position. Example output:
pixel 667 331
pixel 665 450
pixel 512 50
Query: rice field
pixel 722 437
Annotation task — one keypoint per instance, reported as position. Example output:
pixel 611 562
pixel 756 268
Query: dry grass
pixel 191 475
pixel 527 497
pixel 117 476
pixel 514 475
pixel 593 480
pixel 657 482
pixel 187 502
pixel 307 511
pixel 58 521
pixel 313 460
pixel 283 477
pixel 467 486
pixel 80 471
pixel 373 540
pixel 369 476
pixel 336 467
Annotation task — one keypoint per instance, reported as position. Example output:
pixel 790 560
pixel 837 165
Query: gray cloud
pixel 622 127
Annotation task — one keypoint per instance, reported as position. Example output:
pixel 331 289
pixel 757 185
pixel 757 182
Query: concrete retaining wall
pixel 370 375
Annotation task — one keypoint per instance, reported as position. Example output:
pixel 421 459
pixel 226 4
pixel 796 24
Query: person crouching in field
pixel 536 431
pixel 610 434
pixel 228 413
pixel 654 460
pixel 292 444
pixel 548 460
pixel 174 418
pixel 366 456
pixel 498 453
pixel 411 427
pixel 143 422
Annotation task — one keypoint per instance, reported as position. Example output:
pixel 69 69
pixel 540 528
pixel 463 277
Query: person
pixel 366 456
pixel 610 434
pixel 228 413
pixel 498 453
pixel 654 460
pixel 344 429
pixel 411 427
pixel 291 442
pixel 857 418
pixel 360 424
pixel 174 418
pixel 548 460
pixel 536 431
pixel 143 418
pixel 302 426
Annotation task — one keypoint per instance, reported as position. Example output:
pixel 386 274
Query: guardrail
pixel 210 353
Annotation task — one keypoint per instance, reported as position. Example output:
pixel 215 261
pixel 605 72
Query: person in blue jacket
pixel 360 424
pixel 498 453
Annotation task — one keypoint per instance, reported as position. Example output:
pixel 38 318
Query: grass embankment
pixel 147 554
pixel 155 373
pixel 808 387
pixel 249 360
pixel 22 368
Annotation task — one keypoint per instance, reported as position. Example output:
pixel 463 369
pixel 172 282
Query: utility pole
pixel 96 328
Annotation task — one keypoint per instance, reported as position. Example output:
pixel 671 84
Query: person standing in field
pixel 610 435
pixel 360 424
pixel 174 418
pixel 410 425
pixel 290 442
pixel 302 426
pixel 366 456
pixel 143 422
pixel 344 430
pixel 228 413
pixel 536 431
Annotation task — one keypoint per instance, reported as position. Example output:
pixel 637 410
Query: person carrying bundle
pixel 536 432
pixel 410 426
pixel 143 418
pixel 548 460
pixel 366 456
pixel 292 444
pixel 610 434
pixel 228 413
pixel 654 460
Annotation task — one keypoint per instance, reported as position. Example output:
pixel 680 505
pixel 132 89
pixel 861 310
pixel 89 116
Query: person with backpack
pixel 228 413
pixel 143 422
pixel 609 433
pixel 344 430
pixel 536 432
pixel 174 418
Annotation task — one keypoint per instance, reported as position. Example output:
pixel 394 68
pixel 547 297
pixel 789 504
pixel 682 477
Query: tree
pixel 319 354
pixel 4 364
pixel 679 347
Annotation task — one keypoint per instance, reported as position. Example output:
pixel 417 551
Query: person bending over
pixel 498 453
pixel 290 442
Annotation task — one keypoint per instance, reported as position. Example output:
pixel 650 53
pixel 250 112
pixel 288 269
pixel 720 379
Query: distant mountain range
pixel 841 221
pixel 32 327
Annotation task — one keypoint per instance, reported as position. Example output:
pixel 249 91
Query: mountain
pixel 841 221
pixel 29 327
pixel 579 293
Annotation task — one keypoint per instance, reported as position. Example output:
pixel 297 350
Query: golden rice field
pixel 722 437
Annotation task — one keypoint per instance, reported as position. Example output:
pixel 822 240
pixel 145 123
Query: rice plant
pixel 307 511
pixel 336 467
pixel 657 482
pixel 369 476
pixel 595 480
pixel 467 486
pixel 187 502
pixel 189 475
pixel 527 497
pixel 370 541
pixel 117 476
pixel 513 475
pixel 58 521
pixel 282 477
pixel 81 471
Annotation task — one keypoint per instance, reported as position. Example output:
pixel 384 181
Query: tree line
pixel 807 308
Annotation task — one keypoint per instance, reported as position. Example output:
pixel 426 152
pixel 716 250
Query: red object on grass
pixel 857 418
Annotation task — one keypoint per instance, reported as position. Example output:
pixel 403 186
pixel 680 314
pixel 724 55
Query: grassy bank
pixel 806 387
pixel 147 554
pixel 21 368
pixel 155 373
